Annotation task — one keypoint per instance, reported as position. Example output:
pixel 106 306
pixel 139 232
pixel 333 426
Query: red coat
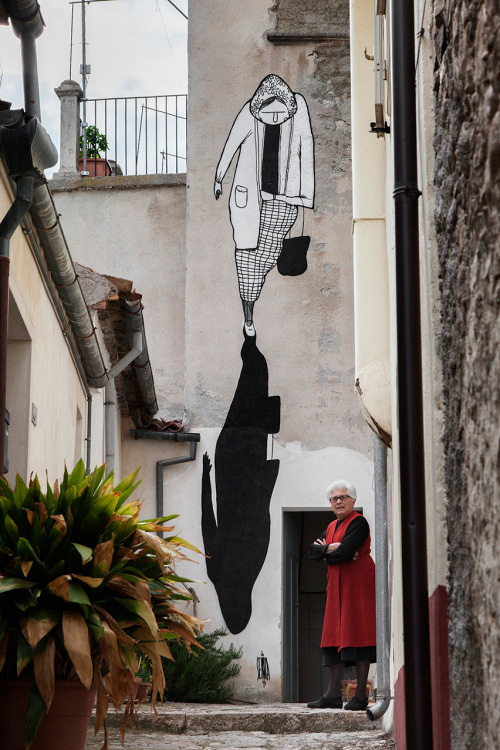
pixel 350 595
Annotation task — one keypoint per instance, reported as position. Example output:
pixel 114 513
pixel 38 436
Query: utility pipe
pixel 8 225
pixel 194 438
pixel 381 583
pixel 418 704
pixel 110 398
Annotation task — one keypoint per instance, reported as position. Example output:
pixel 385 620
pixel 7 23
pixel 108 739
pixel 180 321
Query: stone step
pixel 272 718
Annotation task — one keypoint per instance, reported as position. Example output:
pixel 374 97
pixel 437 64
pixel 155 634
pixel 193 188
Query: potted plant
pixel 97 166
pixel 84 586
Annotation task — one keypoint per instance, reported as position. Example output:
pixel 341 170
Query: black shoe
pixel 355 704
pixel 326 703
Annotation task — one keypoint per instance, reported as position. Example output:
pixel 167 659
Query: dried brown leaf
pixel 41 512
pixel 122 586
pixel 103 555
pixel 143 591
pixel 60 587
pixel 37 628
pixel 102 702
pixel 122 637
pixel 77 644
pixel 43 665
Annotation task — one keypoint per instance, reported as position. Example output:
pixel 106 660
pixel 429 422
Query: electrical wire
pixel 158 8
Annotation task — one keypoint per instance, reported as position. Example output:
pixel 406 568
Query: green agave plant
pixel 84 586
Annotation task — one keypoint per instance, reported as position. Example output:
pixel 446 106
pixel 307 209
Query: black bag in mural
pixel 293 257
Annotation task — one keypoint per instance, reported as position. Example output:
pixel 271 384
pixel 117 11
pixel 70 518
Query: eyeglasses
pixel 339 497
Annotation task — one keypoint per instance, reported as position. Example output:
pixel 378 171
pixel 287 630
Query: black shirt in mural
pixel 355 536
pixel 270 159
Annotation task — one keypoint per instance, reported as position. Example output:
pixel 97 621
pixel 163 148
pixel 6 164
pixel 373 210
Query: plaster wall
pixel 53 383
pixel 134 228
pixel 305 322
pixel 302 480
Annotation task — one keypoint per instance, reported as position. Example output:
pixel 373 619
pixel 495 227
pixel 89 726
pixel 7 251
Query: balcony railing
pixel 144 135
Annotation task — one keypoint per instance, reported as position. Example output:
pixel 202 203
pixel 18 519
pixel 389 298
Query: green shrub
pixel 203 676
pixel 96 143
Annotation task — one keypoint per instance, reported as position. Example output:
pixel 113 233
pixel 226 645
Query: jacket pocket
pixel 241 196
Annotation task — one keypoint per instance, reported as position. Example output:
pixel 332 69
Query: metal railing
pixel 144 134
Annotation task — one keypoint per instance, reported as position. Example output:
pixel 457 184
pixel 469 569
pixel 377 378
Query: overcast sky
pixel 135 48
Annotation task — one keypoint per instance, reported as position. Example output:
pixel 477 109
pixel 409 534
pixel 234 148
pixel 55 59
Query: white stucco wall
pixel 304 325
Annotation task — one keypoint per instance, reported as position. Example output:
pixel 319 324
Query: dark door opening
pixel 304 586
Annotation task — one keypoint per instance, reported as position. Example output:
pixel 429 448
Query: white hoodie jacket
pixel 296 160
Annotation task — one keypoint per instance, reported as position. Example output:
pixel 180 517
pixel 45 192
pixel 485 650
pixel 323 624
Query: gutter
pixel 418 704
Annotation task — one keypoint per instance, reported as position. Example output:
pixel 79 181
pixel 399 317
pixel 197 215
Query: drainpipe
pixel 110 398
pixel 28 24
pixel 418 704
pixel 9 224
pixel 381 583
pixel 160 465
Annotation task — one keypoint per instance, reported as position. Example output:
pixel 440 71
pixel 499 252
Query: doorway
pixel 304 597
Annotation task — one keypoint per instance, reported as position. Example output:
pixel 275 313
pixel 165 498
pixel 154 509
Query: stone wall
pixel 467 172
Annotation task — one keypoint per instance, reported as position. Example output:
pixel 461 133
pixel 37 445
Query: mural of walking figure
pixel 274 175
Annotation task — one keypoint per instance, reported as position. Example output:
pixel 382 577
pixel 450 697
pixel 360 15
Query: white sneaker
pixel 249 329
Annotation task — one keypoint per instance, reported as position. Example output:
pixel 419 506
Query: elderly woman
pixel 349 624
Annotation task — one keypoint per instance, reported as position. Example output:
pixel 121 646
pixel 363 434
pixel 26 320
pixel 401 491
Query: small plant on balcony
pixel 96 143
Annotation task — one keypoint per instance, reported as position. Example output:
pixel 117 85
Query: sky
pixel 134 47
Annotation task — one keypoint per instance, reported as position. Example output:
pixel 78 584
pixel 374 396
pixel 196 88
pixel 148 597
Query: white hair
pixel 341 484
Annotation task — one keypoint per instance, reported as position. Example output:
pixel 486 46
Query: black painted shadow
pixel 237 540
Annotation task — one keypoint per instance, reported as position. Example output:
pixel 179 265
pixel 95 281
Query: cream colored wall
pixel 55 387
pixel 371 291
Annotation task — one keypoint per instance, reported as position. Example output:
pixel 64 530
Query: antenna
pixel 85 71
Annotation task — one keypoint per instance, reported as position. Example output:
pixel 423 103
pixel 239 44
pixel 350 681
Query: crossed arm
pixel 344 551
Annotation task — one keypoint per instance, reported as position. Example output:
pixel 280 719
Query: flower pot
pixel 96 167
pixel 142 691
pixel 64 726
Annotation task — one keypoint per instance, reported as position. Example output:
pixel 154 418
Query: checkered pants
pixel 276 220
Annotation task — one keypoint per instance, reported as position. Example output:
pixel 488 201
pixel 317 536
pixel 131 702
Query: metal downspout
pixel 160 465
pixel 110 398
pixel 418 704
pixel 381 583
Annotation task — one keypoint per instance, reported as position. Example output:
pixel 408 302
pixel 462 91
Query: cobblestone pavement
pixel 363 740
